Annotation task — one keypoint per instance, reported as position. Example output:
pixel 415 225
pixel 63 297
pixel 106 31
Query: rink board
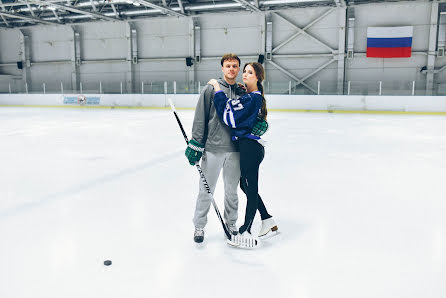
pixel 291 103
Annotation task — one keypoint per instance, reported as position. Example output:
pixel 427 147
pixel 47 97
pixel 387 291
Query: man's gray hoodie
pixel 207 128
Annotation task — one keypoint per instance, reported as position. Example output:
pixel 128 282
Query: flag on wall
pixel 389 42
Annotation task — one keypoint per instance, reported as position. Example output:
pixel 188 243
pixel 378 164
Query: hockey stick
pixel 203 178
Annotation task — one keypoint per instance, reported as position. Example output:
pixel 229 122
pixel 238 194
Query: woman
pixel 241 115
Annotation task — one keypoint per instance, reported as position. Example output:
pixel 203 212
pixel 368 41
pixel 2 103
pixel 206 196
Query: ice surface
pixel 360 201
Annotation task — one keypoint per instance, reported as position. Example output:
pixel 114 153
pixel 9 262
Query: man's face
pixel 230 69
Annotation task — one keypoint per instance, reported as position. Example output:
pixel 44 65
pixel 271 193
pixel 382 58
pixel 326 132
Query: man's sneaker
pixel 199 235
pixel 268 225
pixel 232 229
pixel 243 240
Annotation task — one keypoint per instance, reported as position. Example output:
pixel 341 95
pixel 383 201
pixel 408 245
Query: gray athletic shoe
pixel 232 229
pixel 199 235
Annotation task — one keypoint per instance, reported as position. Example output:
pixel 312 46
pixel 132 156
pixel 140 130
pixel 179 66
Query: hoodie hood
pixel 224 83
pixel 231 91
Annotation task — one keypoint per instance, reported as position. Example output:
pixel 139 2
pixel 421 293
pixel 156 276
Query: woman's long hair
pixel 260 74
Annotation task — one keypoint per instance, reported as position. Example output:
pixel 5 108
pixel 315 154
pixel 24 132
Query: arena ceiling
pixel 23 13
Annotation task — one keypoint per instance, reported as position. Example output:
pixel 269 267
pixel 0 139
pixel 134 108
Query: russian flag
pixel 389 42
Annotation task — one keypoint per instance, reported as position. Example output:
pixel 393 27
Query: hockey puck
pixel 107 262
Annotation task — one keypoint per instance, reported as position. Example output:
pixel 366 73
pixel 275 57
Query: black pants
pixel 251 155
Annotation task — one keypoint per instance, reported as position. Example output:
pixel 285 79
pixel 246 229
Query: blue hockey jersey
pixel 239 114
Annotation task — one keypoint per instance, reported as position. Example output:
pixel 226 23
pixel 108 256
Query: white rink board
pixel 283 102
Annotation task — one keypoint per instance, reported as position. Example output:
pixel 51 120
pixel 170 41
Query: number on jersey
pixel 236 104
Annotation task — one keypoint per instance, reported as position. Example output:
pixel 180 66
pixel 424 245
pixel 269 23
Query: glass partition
pixel 310 87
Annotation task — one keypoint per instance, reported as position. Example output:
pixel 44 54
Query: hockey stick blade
pixel 237 241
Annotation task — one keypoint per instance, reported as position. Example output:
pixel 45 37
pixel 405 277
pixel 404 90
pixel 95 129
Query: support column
pixel 75 61
pixel 350 32
pixel 441 42
pixel 262 46
pixel 268 37
pixel 194 51
pixel 197 41
pixel 25 56
pixel 342 11
pixel 132 58
pixel 431 56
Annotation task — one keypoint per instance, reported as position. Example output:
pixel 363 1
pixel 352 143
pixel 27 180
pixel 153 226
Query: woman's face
pixel 249 76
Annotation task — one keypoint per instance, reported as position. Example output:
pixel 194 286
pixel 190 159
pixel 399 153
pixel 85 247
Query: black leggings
pixel 251 155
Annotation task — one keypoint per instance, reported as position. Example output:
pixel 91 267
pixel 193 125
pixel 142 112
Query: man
pixel 212 140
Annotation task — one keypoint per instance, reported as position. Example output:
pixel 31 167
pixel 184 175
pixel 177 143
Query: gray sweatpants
pixel 211 164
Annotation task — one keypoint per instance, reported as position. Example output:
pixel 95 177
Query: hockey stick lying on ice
pixel 235 240
pixel 203 178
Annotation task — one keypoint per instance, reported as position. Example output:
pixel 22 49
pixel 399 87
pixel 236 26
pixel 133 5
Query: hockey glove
pixel 194 151
pixel 260 127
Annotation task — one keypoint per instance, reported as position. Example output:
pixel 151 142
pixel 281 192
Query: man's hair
pixel 230 56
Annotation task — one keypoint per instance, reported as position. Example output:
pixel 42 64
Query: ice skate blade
pixel 270 234
pixel 272 229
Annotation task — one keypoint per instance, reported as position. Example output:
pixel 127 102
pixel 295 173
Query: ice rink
pixel 360 200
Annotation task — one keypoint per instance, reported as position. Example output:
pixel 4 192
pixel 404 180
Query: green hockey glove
pixel 260 127
pixel 194 151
